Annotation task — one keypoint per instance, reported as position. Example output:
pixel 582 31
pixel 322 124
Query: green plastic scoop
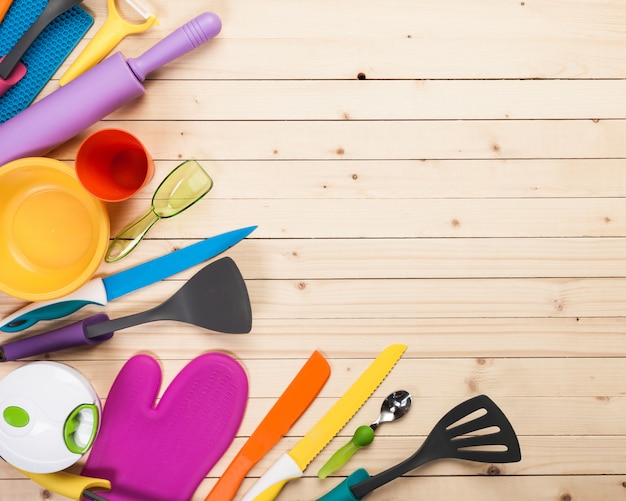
pixel 182 188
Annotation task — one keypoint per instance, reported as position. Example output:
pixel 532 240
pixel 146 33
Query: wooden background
pixel 440 173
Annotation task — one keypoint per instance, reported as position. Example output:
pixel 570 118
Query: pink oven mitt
pixel 161 451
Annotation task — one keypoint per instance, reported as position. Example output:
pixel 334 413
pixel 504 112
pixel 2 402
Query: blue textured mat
pixel 45 55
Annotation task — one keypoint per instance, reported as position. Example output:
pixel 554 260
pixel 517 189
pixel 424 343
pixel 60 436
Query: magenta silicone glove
pixel 161 451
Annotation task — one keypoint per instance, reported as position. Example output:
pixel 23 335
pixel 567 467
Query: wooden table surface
pixel 440 173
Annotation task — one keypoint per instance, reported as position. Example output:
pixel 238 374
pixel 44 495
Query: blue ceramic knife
pixel 102 290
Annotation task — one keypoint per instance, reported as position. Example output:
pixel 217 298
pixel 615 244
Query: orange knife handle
pixel 228 484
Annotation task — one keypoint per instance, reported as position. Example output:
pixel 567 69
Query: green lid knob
pixel 16 416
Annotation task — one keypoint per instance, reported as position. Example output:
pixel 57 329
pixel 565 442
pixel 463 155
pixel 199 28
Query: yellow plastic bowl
pixel 53 233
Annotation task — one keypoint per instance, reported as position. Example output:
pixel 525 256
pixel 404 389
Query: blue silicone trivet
pixel 45 55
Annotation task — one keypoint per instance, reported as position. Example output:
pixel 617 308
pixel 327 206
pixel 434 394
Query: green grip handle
pixel 364 435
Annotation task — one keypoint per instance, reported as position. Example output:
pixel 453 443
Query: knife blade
pixel 278 421
pixel 292 464
pixel 102 290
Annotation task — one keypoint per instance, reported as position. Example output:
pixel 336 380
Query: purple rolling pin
pixel 93 95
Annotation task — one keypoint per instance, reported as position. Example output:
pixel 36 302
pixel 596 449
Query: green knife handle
pixel 343 491
pixel 364 435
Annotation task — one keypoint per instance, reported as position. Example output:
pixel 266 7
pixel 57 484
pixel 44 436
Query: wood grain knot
pixel 493 470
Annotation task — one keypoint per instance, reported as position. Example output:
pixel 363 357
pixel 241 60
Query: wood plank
pixel 588 384
pixel 407 257
pixel 413 298
pixel 379 100
pixel 408 179
pixel 433 337
pixel 370 218
pixel 440 488
pixel 373 140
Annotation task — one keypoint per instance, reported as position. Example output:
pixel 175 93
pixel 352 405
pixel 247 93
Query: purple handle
pixel 69 336
pixel 189 36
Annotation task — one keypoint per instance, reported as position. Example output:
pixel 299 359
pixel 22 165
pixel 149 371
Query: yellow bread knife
pixel 292 464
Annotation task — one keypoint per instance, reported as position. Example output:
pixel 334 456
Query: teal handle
pixel 364 435
pixel 343 492
pixel 48 312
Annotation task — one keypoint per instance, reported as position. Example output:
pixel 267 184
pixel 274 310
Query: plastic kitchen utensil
pixel 394 407
pixel 50 416
pixel 475 430
pixel 4 7
pixel 45 55
pixel 96 93
pixel 113 165
pixel 18 73
pixel 214 298
pixel 102 290
pixel 182 188
pixel 292 464
pixel 54 9
pixel 281 417
pixel 112 32
pixel 70 485
pixel 53 233
pixel 162 451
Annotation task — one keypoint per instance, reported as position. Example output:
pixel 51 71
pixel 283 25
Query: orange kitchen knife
pixel 281 417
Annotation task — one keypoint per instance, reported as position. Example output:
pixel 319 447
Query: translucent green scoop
pixel 182 187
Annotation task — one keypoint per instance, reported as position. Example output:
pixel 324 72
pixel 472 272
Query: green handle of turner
pixel 364 435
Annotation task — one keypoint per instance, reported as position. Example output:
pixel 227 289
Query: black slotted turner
pixel 474 430
pixel 215 298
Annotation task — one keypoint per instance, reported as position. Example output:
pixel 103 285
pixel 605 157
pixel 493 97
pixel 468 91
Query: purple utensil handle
pixel 70 336
pixel 186 38
pixel 96 93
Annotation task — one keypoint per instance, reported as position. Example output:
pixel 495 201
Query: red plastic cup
pixel 113 165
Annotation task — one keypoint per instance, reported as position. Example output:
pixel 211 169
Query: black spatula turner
pixel 215 298
pixel 475 430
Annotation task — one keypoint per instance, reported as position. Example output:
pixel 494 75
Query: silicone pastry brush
pixel 111 33
pixel 53 10
pixel 99 91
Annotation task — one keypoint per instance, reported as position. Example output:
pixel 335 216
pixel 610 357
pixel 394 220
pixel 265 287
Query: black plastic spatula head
pixel 475 430
pixel 215 298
